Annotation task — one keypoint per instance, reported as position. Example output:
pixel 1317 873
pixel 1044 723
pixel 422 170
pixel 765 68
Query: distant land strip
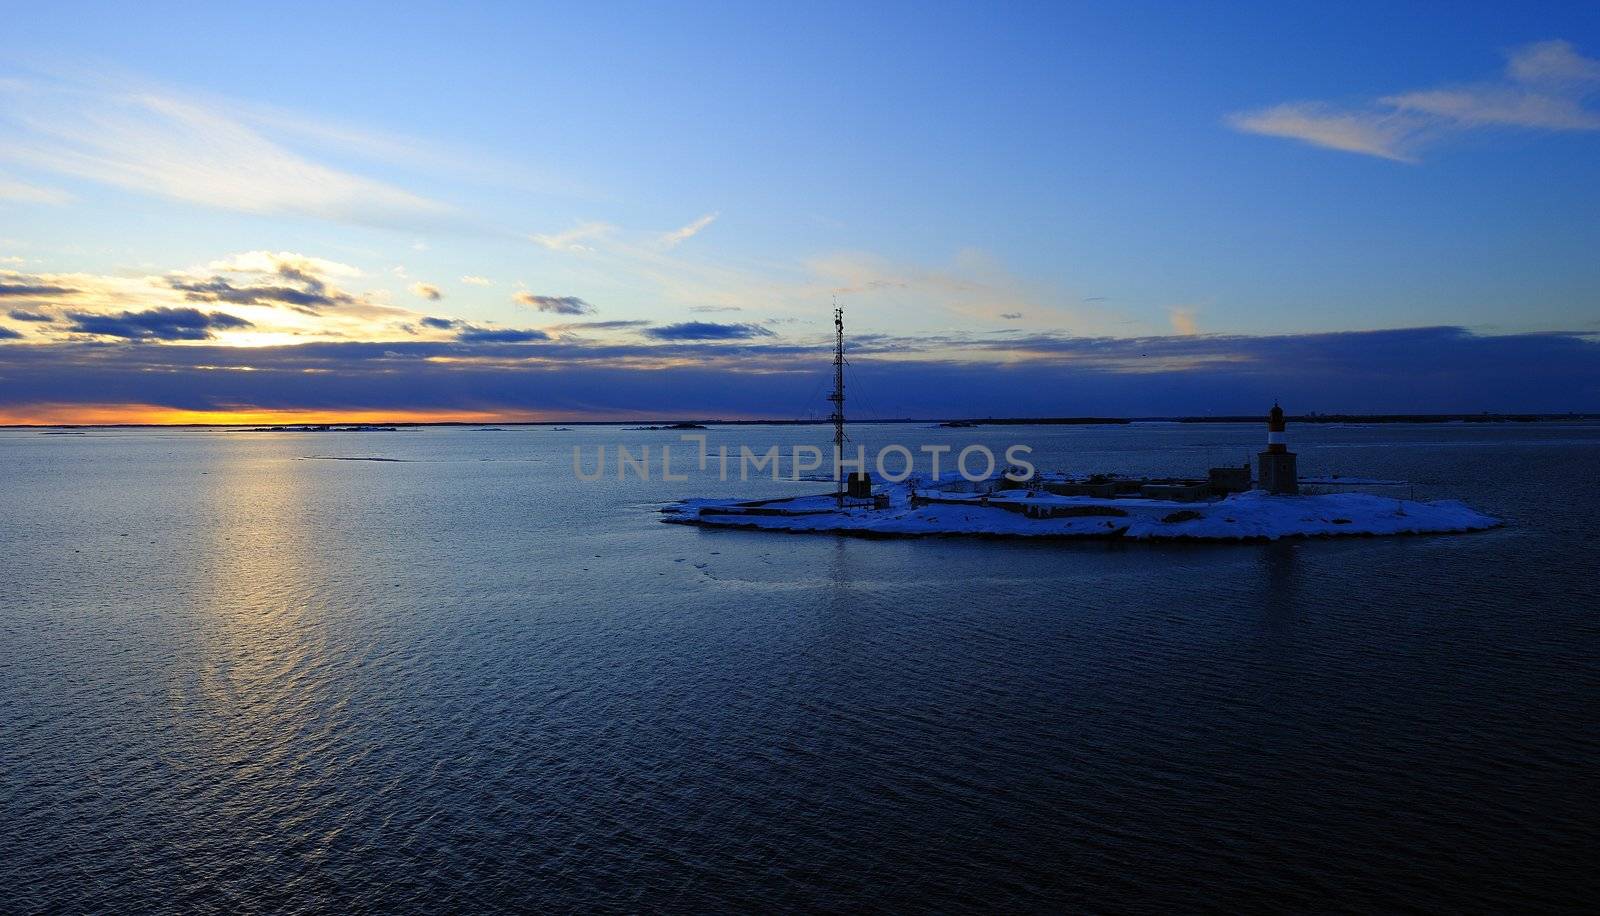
pixel 950 422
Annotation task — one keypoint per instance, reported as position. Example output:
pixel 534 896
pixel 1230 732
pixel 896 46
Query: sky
pixel 294 212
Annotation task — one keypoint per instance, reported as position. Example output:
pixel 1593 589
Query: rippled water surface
pixel 235 679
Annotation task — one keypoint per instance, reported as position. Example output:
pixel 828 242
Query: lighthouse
pixel 1275 468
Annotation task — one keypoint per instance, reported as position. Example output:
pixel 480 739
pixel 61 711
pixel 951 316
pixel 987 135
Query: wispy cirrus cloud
pixel 1385 134
pixel 1544 86
pixel 557 305
pixel 683 233
pixel 573 239
pixel 23 192
pixel 159 142
pixel 972 284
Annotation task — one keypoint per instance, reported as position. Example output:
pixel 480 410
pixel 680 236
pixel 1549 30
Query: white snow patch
pixel 1250 515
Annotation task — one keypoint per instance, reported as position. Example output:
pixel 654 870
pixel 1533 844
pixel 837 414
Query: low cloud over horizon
pixel 284 332
pixel 512 373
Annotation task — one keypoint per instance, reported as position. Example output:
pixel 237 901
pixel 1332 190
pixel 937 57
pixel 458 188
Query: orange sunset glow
pixel 156 415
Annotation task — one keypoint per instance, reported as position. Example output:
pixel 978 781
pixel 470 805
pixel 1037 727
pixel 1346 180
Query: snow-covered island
pixel 1228 504
pixel 899 510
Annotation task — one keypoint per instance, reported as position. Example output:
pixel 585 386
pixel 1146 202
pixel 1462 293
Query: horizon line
pixel 1313 418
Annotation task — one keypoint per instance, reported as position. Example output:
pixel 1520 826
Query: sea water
pixel 237 676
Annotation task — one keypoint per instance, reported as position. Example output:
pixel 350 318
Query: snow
pixel 1251 515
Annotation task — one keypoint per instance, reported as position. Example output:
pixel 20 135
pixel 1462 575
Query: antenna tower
pixel 838 390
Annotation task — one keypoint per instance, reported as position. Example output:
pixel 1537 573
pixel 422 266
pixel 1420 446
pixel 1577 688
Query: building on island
pixel 1276 471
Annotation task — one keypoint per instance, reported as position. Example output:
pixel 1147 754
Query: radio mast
pixel 838 393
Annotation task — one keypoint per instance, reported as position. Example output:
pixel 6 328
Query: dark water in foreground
pixel 234 680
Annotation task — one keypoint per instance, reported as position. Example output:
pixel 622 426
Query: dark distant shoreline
pixel 1408 418
pixel 952 422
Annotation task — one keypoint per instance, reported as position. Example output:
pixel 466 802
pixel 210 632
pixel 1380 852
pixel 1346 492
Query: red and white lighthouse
pixel 1276 470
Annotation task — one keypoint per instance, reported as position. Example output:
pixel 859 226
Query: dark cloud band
pixel 1403 371
pixel 558 305
pixel 313 296
pixel 33 290
pixel 708 330
pixel 156 324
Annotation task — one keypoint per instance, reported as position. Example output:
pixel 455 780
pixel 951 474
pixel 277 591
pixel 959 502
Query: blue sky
pixel 956 174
